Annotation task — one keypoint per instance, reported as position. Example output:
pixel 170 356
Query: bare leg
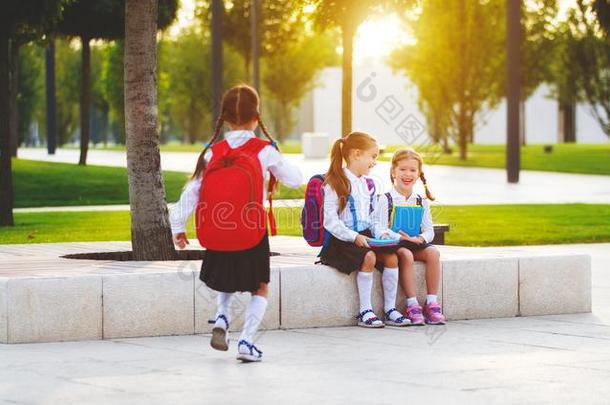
pixel 431 256
pixel 263 290
pixel 407 271
pixel 368 264
pixel 388 259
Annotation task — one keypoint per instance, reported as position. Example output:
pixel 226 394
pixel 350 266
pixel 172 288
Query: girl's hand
pixel 413 239
pixel 361 241
pixel 180 240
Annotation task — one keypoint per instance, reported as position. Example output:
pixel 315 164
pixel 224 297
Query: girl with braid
pixel 405 170
pixel 231 264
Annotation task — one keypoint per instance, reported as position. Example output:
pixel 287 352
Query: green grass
pixel 286 147
pixel 486 225
pixel 44 184
pixel 567 158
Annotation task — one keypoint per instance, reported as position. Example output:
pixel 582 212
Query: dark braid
pixel 201 164
pixel 273 143
pixel 266 132
pixel 428 193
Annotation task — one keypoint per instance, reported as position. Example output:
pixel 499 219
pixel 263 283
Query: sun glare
pixel 378 37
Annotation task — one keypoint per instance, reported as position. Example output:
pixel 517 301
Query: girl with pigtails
pixel 226 190
pixel 349 200
pixel 406 169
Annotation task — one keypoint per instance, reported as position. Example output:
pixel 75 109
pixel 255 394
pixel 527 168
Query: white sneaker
pixel 370 322
pixel 220 337
pixel 248 353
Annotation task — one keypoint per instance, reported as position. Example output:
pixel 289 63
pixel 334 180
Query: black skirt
pixel 347 257
pixel 243 270
pixel 413 247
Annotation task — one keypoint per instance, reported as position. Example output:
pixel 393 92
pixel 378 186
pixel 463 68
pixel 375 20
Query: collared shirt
pixel 380 215
pixel 340 224
pixel 269 158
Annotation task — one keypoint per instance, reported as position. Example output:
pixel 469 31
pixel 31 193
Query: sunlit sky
pixel 375 40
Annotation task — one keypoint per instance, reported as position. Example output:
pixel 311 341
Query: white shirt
pixel 340 225
pixel 269 158
pixel 380 215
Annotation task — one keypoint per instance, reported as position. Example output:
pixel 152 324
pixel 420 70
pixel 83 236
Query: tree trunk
pixel 247 77
pixel 255 44
pixel 14 90
pixel 50 99
pixel 522 122
pixel 347 32
pixel 6 177
pixel 151 237
pixel 104 124
pixel 281 122
pixel 463 133
pixel 217 17
pixel 85 100
pixel 567 122
pixel 513 89
pixel 446 149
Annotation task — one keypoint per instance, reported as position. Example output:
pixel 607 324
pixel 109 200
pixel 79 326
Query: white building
pixel 385 105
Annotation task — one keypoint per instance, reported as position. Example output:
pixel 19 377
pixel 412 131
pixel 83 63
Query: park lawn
pixel 291 146
pixel 567 158
pixel 47 184
pixel 484 225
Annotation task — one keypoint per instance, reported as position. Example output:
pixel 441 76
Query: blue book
pixel 407 218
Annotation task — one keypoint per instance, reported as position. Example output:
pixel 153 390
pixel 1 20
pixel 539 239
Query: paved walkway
pixel 517 360
pixel 452 185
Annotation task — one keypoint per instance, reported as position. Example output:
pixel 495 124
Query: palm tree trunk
pixel 346 89
pixel 85 101
pixel 6 177
pixel 151 237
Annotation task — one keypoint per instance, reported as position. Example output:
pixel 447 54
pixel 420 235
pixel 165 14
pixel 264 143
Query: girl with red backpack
pixel 227 191
pixel 348 202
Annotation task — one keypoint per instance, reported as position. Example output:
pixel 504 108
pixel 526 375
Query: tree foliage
pixel 581 66
pixel 457 64
pixel 290 74
pixel 186 65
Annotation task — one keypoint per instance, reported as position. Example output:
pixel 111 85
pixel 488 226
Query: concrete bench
pixel 46 298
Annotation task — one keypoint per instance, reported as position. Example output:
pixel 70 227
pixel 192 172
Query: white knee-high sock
pixel 223 307
pixel 389 280
pixel 254 315
pixel 364 280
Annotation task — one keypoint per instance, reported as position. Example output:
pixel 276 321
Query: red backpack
pixel 230 215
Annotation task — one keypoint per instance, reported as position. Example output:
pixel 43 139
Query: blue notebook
pixel 407 218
